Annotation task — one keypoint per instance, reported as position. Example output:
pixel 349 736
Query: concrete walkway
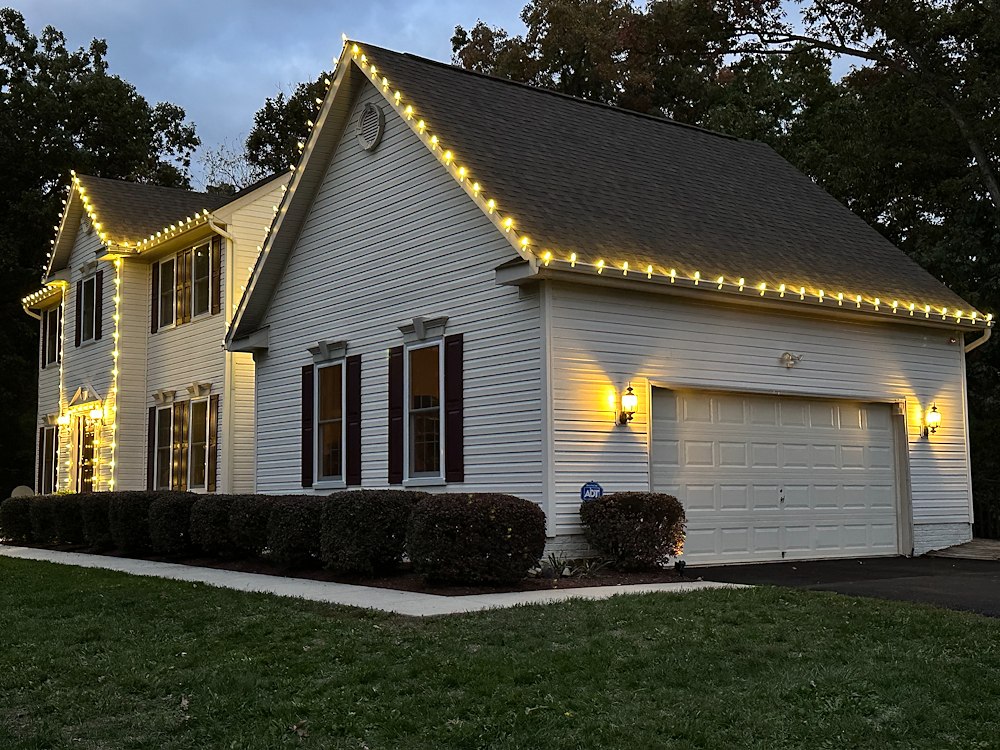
pixel 387 600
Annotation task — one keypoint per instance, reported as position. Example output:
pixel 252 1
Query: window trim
pixel 423 480
pixel 161 326
pixel 190 442
pixel 84 341
pixel 169 408
pixel 208 279
pixel 319 480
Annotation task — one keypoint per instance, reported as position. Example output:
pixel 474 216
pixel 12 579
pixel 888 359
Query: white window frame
pixel 92 279
pixel 52 329
pixel 208 417
pixel 320 481
pixel 173 293
pixel 51 475
pixel 208 279
pixel 424 479
pixel 157 446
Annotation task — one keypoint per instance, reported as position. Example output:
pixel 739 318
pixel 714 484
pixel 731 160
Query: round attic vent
pixel 371 124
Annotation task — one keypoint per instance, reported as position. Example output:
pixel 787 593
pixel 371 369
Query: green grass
pixel 95 659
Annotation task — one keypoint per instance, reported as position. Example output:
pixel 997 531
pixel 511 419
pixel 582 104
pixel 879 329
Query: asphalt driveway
pixel 970 585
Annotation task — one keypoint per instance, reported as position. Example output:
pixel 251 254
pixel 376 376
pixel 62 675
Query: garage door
pixel 764 478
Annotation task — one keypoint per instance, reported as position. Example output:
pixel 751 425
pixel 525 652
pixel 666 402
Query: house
pixel 475 285
pixel 135 387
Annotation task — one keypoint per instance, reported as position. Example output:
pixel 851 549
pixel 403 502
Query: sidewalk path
pixel 386 600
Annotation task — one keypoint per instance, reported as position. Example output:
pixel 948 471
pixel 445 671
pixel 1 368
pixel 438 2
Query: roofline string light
pixel 506 223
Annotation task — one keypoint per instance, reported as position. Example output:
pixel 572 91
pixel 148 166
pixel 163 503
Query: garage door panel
pixel 764 478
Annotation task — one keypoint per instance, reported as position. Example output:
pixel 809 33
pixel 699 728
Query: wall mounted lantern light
pixel 629 403
pixel 63 420
pixel 97 414
pixel 932 420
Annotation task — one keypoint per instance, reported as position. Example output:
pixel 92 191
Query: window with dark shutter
pixel 217 250
pixel 213 442
pixel 180 462
pixel 454 415
pixel 184 273
pixel 307 426
pixel 98 304
pixel 154 298
pixel 41 460
pixel 44 340
pixel 352 473
pixel 78 320
pixel 396 400
pixel 151 446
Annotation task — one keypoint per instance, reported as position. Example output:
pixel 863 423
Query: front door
pixel 85 454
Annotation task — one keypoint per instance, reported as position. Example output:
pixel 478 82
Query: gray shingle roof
pixel 620 186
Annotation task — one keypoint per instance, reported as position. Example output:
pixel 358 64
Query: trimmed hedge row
pixel 449 538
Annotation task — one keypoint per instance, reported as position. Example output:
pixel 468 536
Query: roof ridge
pixel 144 185
pixel 551 92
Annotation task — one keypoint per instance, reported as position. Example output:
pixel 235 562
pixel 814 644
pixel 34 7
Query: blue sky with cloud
pixel 220 59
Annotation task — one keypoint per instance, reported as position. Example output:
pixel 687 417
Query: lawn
pixel 95 659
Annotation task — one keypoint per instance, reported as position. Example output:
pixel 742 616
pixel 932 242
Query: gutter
pixel 27 310
pixel 227 386
pixel 987 333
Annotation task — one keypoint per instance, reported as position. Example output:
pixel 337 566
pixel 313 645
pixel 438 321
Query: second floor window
pixel 88 307
pixel 51 336
pixel 201 273
pixel 168 279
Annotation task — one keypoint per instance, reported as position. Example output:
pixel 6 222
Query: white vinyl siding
pixel 391 236
pixel 603 338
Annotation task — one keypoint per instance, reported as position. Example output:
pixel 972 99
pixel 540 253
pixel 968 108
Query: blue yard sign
pixel 591 491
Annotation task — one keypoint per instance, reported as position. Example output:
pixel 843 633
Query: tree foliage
pixel 60 110
pixel 279 125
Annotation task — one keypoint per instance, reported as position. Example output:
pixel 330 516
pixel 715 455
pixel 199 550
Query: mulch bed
pixel 405 579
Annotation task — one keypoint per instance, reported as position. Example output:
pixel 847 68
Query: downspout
pixel 27 310
pixel 980 341
pixel 227 401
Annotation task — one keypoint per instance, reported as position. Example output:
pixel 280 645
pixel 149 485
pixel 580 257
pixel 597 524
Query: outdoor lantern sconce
pixel 63 420
pixel 931 421
pixel 629 403
pixel 97 414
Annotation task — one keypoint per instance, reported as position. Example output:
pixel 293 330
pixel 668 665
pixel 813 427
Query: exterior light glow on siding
pixel 115 373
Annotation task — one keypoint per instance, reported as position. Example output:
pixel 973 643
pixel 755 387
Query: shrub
pixel 15 519
pixel 210 525
pixel 68 519
pixel 170 522
pixel 43 519
pixel 248 517
pixel 128 519
pixel 364 531
pixel 293 530
pixel 96 522
pixel 635 529
pixel 485 538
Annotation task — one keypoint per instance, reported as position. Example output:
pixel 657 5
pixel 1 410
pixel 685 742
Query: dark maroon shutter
pixel 353 471
pixel 180 467
pixel 307 426
pixel 79 312
pixel 154 308
pixel 216 261
pixel 45 338
pixel 454 415
pixel 151 449
pixel 41 459
pixel 213 441
pixel 184 273
pixel 396 415
pixel 98 304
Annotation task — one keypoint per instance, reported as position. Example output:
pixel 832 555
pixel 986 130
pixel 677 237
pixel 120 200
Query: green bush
pixel 364 531
pixel 636 530
pixel 475 538
pixel 248 518
pixel 128 519
pixel 68 519
pixel 96 521
pixel 43 519
pixel 293 530
pixel 170 522
pixel 15 519
pixel 210 525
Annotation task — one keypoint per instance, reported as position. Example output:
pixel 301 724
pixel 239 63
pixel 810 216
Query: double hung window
pixel 330 422
pixel 424 416
pixel 88 309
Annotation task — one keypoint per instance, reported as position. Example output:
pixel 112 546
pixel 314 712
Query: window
pixel 330 422
pixel 201 281
pixel 168 277
pixel 88 308
pixel 423 407
pixel 164 447
pixel 50 345
pixel 49 460
pixel 198 445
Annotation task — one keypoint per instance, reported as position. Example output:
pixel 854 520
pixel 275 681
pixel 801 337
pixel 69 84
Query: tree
pixel 272 145
pixel 60 110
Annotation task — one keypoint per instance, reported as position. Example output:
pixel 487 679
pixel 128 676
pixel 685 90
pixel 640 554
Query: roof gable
pixel 590 189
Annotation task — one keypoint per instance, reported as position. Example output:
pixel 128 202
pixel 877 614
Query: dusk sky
pixel 220 60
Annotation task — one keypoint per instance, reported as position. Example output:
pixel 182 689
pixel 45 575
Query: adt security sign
pixel 591 491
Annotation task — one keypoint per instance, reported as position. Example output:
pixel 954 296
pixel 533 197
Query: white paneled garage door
pixel 766 478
